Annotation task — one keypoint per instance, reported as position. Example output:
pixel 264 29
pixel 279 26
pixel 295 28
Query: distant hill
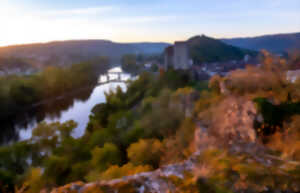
pixel 6 63
pixel 278 43
pixel 206 49
pixel 67 52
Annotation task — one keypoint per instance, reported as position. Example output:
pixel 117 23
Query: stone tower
pixel 181 55
pixel 177 56
pixel 169 57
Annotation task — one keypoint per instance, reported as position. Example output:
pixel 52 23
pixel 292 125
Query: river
pixel 76 107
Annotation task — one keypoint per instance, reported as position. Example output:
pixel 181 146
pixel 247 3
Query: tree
pixel 67 128
pixel 145 152
pixel 23 93
pixel 45 137
pixel 57 170
pixel 214 84
pixel 129 63
pixel 33 180
pixel 103 157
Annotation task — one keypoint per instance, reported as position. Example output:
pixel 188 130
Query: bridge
pixel 110 77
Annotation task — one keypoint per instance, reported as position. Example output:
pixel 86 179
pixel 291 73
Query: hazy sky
pixel 27 21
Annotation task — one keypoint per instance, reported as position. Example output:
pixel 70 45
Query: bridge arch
pixel 112 77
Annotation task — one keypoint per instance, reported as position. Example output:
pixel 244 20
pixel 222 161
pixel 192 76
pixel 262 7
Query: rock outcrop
pixel 155 181
pixel 232 125
pixel 233 121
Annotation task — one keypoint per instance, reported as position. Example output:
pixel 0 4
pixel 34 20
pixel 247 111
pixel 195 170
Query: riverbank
pixel 73 105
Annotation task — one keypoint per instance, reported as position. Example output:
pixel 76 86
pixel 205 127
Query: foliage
pixel 238 81
pixel 19 91
pixel 269 79
pixel 33 180
pixel 105 156
pixel 288 141
pixel 145 152
pixel 153 123
pixel 214 83
pixel 179 147
pixel 241 173
pixel 205 49
pixel 13 164
pixel 129 63
pixel 117 171
pixel 274 115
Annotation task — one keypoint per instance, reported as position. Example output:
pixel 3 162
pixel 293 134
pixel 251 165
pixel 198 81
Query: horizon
pixel 69 40
pixel 37 21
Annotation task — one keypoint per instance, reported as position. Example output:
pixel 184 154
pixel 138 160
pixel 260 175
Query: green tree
pixel 57 170
pixel 103 157
pixel 129 63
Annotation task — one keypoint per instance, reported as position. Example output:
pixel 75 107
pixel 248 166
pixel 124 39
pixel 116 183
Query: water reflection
pixel 72 107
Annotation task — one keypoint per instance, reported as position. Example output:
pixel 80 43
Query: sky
pixel 31 21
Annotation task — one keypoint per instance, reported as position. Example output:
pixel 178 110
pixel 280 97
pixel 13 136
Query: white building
pixel 293 75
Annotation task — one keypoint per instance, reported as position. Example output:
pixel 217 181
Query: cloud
pixel 141 19
pixel 275 3
pixel 80 11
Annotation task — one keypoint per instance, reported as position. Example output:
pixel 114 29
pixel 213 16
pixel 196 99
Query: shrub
pixel 145 152
pixel 288 141
pixel 103 157
pixel 33 180
pixel 125 170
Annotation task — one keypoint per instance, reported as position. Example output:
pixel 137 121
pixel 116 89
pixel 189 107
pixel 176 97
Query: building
pixel 182 56
pixel 293 75
pixel 169 57
pixel 178 56
pixel 148 65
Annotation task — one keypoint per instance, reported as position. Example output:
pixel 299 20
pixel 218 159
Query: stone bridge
pixel 112 77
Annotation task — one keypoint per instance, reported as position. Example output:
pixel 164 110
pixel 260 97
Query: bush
pixel 253 80
pixel 288 141
pixel 125 170
pixel 33 180
pixel 145 152
pixel 129 63
pixel 214 84
pixel 103 157
pixel 57 169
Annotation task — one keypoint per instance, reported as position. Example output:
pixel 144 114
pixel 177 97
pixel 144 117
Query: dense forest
pixel 152 124
pixel 20 91
pixel 62 53
pixel 134 64
pixel 277 43
pixel 204 49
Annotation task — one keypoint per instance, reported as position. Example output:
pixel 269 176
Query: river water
pixel 76 107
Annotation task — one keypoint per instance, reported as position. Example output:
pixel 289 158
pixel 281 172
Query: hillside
pixel 206 49
pixel 166 134
pixel 67 52
pixel 274 43
pixel 7 63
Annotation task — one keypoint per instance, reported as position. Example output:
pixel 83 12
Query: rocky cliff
pixel 223 151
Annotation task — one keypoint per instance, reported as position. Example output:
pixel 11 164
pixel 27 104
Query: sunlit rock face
pixel 156 181
pixel 231 127
pixel 233 121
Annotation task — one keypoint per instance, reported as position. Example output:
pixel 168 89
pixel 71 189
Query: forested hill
pixel 274 43
pixel 206 49
pixel 68 52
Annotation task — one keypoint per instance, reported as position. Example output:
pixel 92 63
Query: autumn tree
pixel 145 152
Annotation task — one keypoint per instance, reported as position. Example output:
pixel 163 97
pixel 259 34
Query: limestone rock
pixel 233 121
